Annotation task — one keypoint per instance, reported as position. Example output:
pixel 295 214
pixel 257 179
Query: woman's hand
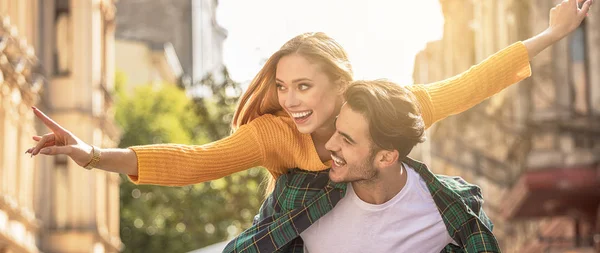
pixel 60 141
pixel 566 17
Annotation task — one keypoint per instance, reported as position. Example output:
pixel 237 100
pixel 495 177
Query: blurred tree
pixel 216 110
pixel 181 219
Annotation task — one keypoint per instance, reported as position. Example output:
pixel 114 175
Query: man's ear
pixel 386 158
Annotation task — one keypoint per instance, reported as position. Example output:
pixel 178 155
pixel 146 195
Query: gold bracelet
pixel 95 159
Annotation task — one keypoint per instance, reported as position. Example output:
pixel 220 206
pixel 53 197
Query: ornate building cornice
pixel 19 67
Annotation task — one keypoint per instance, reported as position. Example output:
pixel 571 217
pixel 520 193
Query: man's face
pixel 351 148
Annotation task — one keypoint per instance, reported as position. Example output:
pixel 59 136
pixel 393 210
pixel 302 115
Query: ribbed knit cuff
pixel 424 103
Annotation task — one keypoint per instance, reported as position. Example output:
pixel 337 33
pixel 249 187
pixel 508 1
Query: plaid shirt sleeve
pixel 299 199
pixel 474 227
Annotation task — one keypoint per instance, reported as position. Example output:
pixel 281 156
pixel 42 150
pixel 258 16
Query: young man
pixel 393 203
pixel 304 198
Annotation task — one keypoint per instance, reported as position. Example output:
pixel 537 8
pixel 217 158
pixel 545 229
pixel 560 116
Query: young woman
pixel 286 116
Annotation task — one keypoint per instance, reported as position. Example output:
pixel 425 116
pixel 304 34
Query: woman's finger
pixel 45 139
pixel 585 8
pixel 38 138
pixel 48 144
pixel 55 127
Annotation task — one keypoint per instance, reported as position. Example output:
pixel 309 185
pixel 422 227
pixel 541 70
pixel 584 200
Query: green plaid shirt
pixel 301 197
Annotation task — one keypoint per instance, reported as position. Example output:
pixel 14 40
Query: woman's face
pixel 306 93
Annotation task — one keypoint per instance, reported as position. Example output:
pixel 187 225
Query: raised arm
pixel 162 164
pixel 458 93
pixel 508 66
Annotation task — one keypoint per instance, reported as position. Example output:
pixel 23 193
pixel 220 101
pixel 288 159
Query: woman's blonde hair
pixel 261 96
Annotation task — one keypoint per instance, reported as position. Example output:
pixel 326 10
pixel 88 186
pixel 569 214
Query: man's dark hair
pixel 392 111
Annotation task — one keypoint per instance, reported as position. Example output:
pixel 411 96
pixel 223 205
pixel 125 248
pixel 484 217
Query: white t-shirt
pixel 409 222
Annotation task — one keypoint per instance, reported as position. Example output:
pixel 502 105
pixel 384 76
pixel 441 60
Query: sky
pixel 381 37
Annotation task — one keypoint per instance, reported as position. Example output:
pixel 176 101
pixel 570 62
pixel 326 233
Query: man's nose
pixel 331 144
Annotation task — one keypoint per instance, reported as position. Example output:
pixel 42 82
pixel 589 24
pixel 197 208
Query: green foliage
pixel 181 219
pixel 156 115
pixel 217 110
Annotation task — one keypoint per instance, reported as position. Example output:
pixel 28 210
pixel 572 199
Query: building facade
pixel 56 55
pixel 208 37
pixel 141 64
pixel 157 22
pixel 535 147
pixel 190 26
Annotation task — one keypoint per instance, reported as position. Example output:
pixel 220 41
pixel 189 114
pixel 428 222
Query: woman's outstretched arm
pixel 162 164
pixel 456 94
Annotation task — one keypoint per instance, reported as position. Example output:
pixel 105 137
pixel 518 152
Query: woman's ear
pixel 342 85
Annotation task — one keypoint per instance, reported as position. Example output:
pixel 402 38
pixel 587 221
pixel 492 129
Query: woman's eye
pixel 280 87
pixel 346 141
pixel 303 86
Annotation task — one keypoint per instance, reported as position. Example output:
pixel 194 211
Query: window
pixel 63 57
pixel 579 84
pixel 578 72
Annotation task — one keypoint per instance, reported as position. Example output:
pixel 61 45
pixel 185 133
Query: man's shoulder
pixel 468 193
pixel 457 183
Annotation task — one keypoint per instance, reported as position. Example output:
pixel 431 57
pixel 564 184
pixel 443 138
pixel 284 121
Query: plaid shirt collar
pixel 301 197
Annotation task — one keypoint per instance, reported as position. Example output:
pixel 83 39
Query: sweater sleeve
pixel 459 93
pixel 176 165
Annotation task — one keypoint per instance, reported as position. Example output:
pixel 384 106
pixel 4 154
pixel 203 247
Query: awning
pixel 554 192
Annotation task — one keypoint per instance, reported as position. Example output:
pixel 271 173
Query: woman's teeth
pixel 301 114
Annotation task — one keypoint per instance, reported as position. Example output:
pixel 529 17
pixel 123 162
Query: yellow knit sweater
pixel 273 141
